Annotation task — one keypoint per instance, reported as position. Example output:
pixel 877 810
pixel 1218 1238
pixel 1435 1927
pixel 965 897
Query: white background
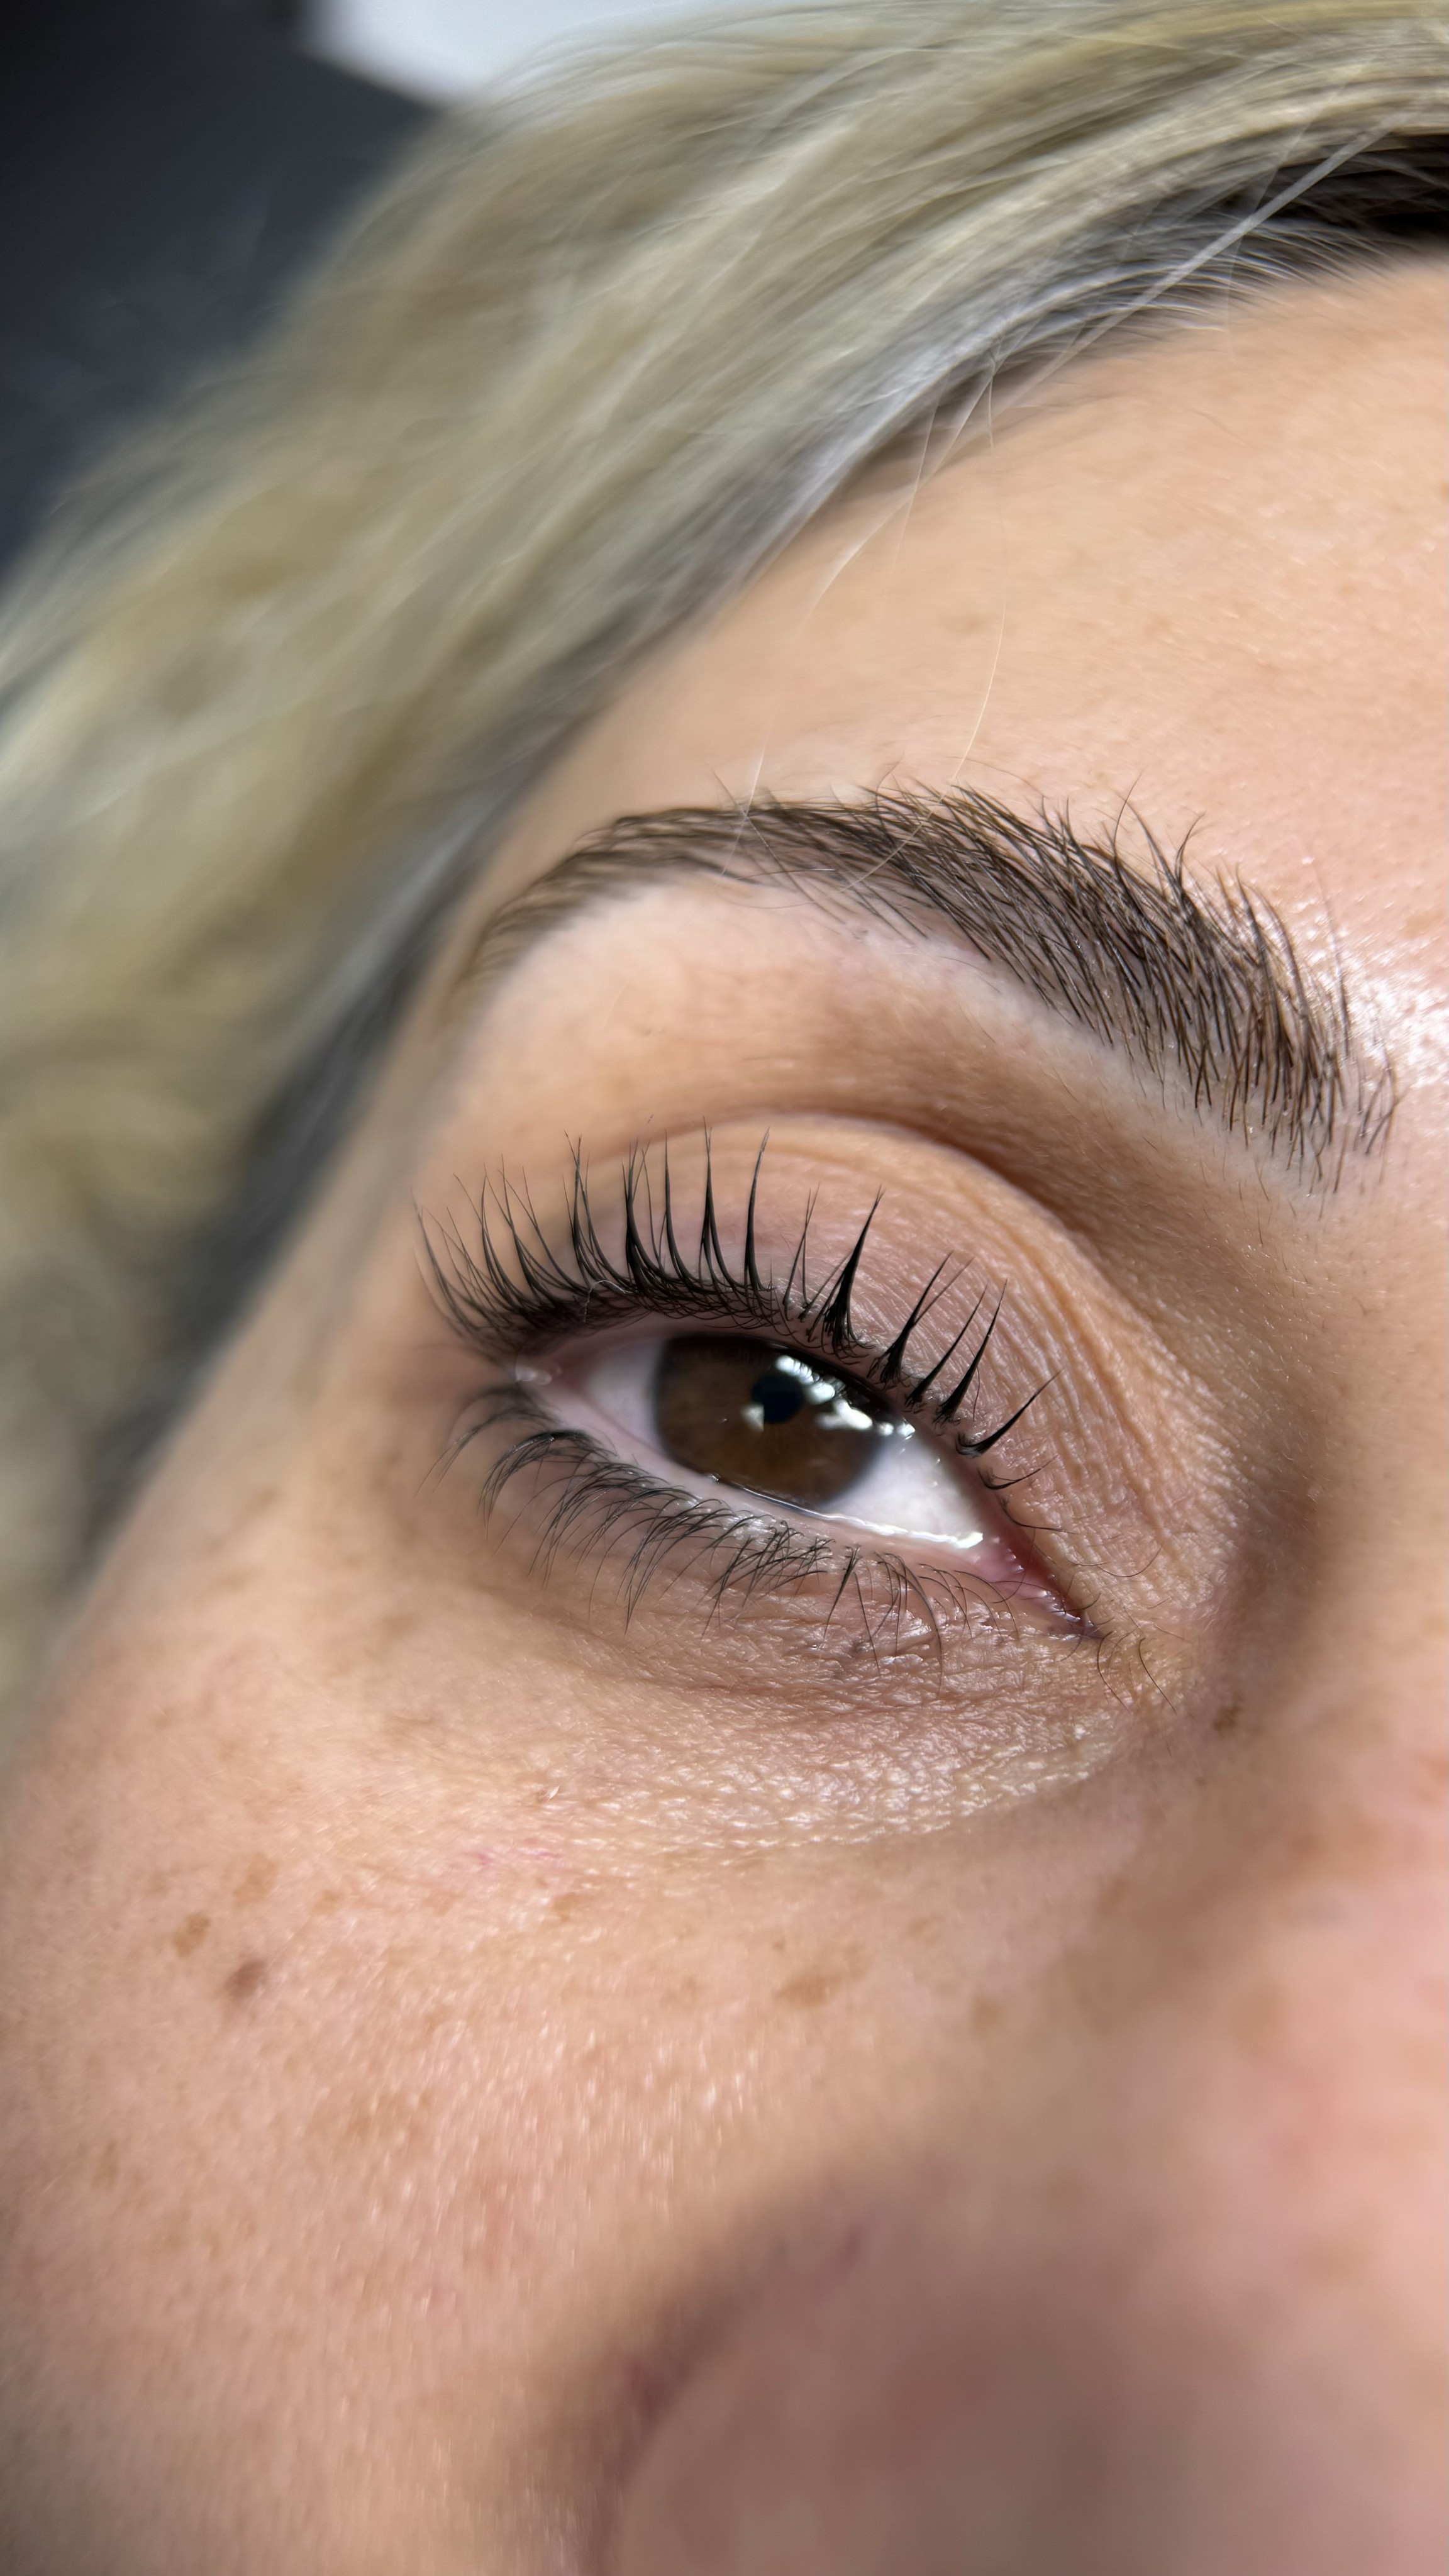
pixel 443 48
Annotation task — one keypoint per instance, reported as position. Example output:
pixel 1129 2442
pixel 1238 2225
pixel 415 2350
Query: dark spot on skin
pixel 387 2120
pixel 253 1506
pixel 1229 1717
pixel 188 1935
pixel 328 1901
pixel 256 1881
pixel 1336 2260
pixel 244 1980
pixel 985 2014
pixel 811 1988
pixel 1260 2019
pixel 568 1903
pixel 108 2165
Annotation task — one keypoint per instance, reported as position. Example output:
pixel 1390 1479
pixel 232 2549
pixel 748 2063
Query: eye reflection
pixel 745 1414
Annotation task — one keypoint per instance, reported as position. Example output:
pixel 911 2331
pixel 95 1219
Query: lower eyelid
pixel 623 1525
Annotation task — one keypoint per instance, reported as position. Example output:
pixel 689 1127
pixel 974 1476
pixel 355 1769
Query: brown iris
pixel 764 1418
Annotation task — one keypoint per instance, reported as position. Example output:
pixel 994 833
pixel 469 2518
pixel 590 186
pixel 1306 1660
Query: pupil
pixel 778 1397
pixel 766 1420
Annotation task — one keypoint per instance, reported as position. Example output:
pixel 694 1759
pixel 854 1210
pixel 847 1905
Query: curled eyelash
pixel 514 1293
pixel 510 1293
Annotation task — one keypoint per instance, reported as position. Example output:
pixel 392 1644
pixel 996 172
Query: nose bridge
pixel 1170 2319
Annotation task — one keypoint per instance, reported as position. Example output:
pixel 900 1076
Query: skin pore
pixel 501 2069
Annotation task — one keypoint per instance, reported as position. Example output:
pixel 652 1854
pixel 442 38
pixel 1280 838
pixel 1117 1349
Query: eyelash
pixel 511 1295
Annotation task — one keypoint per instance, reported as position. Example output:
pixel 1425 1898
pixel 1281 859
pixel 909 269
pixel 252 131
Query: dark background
pixel 167 167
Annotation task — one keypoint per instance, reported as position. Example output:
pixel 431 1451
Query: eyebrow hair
pixel 1203 980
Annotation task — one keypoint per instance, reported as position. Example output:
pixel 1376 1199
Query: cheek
pixel 341 2091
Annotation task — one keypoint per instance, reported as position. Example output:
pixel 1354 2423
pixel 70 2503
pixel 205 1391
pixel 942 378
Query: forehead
pixel 1204 572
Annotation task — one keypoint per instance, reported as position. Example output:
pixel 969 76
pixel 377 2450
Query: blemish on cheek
pixel 1260 2019
pixel 809 1990
pixel 256 1881
pixel 108 2165
pixel 1114 1895
pixel 244 1980
pixel 189 1935
pixel 985 2014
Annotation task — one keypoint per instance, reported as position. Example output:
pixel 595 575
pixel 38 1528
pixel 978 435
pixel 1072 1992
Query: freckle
pixel 921 1928
pixel 811 1988
pixel 174 2235
pixel 187 1935
pixel 392 1627
pixel 1336 2260
pixel 255 1504
pixel 568 1903
pixel 1228 1718
pixel 159 1881
pixel 1258 2020
pixel 985 2014
pixel 328 1901
pixel 256 1881
pixel 244 1980
pixel 108 2165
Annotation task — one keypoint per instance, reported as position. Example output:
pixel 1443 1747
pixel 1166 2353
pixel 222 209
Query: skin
pixel 486 2086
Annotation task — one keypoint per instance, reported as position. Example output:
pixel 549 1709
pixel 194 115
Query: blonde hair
pixel 584 363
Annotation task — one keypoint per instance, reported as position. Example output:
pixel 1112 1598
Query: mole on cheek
pixel 812 1988
pixel 244 1980
pixel 188 1935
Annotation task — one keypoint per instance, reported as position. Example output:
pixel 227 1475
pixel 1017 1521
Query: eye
pixel 724 1413
pixel 736 1410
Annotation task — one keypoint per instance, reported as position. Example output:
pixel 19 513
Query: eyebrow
pixel 1198 979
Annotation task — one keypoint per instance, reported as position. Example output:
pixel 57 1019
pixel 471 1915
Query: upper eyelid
pixel 486 1303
